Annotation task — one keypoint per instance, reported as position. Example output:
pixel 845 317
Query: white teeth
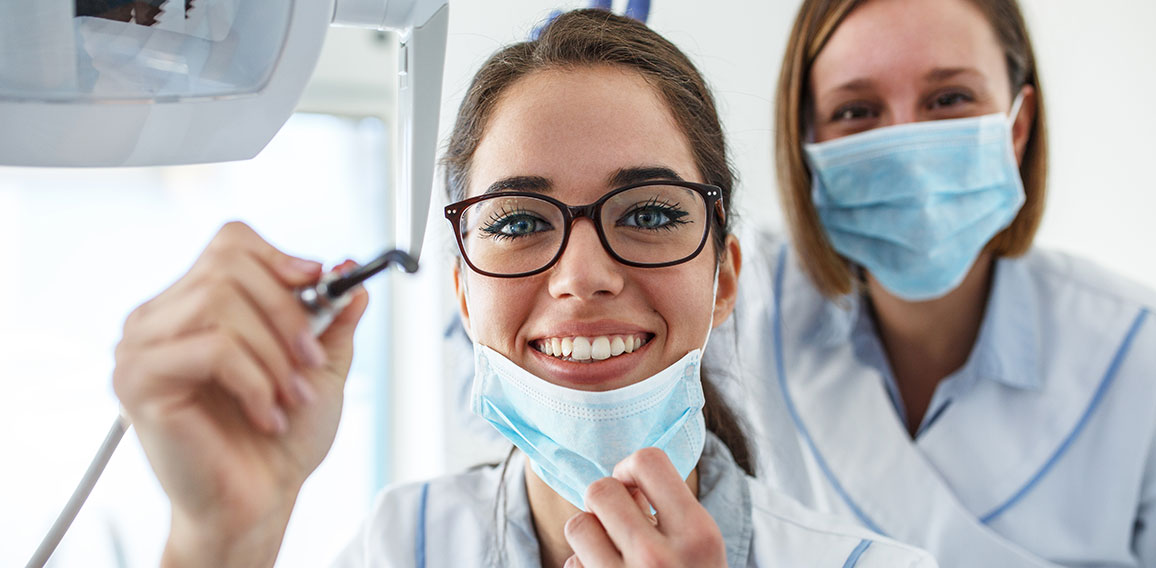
pixel 600 348
pixel 618 346
pixel 581 350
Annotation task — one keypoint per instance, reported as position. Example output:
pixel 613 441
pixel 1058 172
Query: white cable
pixel 56 533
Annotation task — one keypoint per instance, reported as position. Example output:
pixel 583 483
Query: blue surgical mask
pixel 916 203
pixel 574 438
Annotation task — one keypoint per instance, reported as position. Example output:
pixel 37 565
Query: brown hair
pixel 815 24
pixel 589 38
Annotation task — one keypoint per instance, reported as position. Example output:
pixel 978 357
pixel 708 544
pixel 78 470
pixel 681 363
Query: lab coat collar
pixel 943 490
pixel 839 407
pixel 1008 348
pixel 724 492
pixel 1006 351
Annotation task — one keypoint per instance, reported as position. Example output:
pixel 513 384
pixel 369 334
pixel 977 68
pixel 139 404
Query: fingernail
pixel 280 420
pixel 305 267
pixel 310 350
pixel 305 393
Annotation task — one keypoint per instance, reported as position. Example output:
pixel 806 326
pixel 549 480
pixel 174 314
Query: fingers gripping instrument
pixel 324 301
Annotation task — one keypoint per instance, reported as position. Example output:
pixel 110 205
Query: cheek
pixel 498 309
pixel 686 306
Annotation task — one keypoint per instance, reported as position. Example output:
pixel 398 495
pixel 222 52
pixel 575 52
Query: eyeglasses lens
pixel 651 224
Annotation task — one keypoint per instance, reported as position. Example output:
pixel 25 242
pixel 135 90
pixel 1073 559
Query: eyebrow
pixel 536 184
pixel 853 86
pixel 622 177
pixel 629 176
pixel 944 73
pixel 937 75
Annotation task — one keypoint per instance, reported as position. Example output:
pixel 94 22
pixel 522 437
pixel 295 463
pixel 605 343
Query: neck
pixel 927 341
pixel 550 512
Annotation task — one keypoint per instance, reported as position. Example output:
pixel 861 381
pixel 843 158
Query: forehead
pixel 576 128
pixel 893 39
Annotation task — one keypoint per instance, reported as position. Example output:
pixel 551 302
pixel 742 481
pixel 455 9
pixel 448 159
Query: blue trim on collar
pixel 790 403
pixel 853 560
pixel 419 542
pixel 1106 382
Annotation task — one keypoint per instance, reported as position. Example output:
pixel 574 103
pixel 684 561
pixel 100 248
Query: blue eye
pixel 653 215
pixel 515 224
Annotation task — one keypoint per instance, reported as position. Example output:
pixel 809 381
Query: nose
pixel 904 114
pixel 585 270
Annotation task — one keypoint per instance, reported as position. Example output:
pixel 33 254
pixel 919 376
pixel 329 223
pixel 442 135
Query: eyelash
pixel 493 227
pixel 957 96
pixel 837 116
pixel 670 210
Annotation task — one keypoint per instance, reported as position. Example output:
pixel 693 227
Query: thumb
pixel 338 338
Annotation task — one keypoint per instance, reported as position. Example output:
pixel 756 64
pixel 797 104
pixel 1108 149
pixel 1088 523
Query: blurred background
pixel 83 247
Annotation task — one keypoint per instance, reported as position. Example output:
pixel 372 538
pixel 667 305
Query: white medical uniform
pixel 1039 451
pixel 454 521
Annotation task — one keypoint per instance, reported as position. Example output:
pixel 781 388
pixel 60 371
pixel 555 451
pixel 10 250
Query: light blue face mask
pixel 574 438
pixel 915 204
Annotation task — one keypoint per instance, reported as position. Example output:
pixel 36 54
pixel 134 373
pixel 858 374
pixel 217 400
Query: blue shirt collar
pixel 1007 350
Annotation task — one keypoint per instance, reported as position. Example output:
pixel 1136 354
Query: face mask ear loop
pixel 713 299
pixel 465 294
pixel 1015 108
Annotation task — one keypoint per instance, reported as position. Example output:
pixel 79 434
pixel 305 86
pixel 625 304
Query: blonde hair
pixel 815 24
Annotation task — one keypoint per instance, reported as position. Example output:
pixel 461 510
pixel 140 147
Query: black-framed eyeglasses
pixel 653 224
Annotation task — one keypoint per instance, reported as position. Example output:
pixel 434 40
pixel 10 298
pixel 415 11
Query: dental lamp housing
pixel 209 81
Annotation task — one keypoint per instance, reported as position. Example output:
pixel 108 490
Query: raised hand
pixel 235 402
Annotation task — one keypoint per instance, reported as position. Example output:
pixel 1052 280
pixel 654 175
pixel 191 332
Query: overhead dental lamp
pixel 167 82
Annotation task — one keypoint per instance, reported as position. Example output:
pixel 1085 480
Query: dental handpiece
pixel 332 293
pixel 323 300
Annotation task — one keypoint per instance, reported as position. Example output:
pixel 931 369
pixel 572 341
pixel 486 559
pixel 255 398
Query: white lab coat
pixel 1040 451
pixel 455 521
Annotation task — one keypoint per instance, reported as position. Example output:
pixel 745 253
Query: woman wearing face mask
pixel 590 186
pixel 951 386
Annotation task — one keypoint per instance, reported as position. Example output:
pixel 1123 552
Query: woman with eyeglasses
pixel 951 385
pixel 590 188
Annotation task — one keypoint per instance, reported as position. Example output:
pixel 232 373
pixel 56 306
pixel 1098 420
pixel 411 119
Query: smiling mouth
pixel 581 349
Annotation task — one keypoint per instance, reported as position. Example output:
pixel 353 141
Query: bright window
pixel 84 247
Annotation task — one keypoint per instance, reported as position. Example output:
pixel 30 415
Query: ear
pixel 460 292
pixel 728 280
pixel 1022 128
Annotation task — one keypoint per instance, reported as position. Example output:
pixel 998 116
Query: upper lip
pixel 591 329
